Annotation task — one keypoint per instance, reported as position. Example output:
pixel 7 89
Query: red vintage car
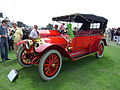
pixel 48 51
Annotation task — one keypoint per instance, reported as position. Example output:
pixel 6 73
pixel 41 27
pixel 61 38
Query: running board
pixel 81 56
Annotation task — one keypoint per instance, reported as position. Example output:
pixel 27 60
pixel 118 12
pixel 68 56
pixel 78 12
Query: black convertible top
pixel 86 19
pixel 81 18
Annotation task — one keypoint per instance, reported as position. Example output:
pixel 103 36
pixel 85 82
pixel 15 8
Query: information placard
pixel 12 75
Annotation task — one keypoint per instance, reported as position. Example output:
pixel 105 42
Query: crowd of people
pixel 113 35
pixel 11 35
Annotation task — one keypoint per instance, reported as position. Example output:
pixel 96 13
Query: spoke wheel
pixel 50 65
pixel 100 52
pixel 24 58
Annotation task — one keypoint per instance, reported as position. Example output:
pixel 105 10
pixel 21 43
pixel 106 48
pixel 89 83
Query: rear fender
pixel 95 46
pixel 104 40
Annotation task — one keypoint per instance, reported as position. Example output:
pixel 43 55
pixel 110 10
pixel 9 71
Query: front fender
pixel 46 47
pixel 21 42
pixel 42 47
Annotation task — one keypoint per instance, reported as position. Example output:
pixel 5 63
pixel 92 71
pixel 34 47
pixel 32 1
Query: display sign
pixel 13 74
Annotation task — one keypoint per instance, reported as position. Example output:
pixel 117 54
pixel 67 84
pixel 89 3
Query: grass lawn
pixel 85 74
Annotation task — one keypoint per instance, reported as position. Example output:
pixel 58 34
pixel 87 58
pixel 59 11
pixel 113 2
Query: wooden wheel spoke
pixel 52 56
pixel 47 61
pixel 49 58
pixel 24 58
pixel 23 55
pixel 47 71
pixel 47 67
pixel 100 51
pixel 52 69
pixel 56 64
pixel 55 61
pixel 46 64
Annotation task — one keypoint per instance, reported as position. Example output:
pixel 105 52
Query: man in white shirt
pixel 34 33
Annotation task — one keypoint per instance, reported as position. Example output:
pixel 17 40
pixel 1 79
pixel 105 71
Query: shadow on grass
pixel 8 63
pixel 72 71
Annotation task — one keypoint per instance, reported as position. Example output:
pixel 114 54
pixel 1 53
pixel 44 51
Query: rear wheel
pixel 50 65
pixel 100 51
pixel 24 58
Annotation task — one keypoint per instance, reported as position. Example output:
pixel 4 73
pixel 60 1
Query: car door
pixel 78 42
pixel 82 40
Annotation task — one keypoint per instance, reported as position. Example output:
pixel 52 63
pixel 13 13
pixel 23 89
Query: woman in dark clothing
pixel 118 36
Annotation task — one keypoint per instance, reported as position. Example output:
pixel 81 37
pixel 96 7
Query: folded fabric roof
pixel 81 18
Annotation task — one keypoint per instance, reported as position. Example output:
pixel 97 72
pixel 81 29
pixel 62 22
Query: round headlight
pixel 37 44
pixel 27 45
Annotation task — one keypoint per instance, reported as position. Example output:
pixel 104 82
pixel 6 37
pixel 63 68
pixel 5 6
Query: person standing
pixel 34 33
pixel 56 27
pixel 62 28
pixel 18 34
pixel 112 33
pixel 10 40
pixel 108 35
pixel 115 37
pixel 118 36
pixel 4 41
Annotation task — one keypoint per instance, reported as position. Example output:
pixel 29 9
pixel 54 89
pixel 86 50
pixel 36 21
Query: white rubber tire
pixel 41 63
pixel 97 53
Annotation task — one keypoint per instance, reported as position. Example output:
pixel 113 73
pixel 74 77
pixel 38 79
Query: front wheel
pixel 50 65
pixel 100 51
pixel 24 59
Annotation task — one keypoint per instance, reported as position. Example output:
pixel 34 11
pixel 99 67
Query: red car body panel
pixel 84 43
